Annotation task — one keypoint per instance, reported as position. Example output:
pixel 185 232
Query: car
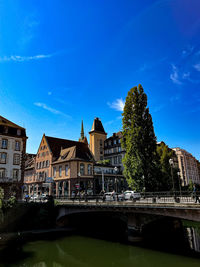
pixel 131 195
pixel 34 197
pixel 112 196
pixel 43 197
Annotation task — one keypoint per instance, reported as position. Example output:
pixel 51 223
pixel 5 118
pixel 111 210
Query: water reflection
pixel 87 252
pixel 193 235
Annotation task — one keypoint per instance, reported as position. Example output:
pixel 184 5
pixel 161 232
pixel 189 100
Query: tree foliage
pixel 166 180
pixel 139 140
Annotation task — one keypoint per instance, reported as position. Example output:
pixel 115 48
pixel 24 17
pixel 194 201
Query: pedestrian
pixel 196 194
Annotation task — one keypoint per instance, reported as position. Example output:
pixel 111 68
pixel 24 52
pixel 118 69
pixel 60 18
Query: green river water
pixel 83 251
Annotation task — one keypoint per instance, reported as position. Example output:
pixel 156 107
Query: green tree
pixel 166 180
pixel 141 160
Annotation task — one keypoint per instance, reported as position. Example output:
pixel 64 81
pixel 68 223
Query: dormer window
pixel 5 129
pixel 18 132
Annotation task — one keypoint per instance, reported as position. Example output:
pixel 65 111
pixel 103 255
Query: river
pixel 77 250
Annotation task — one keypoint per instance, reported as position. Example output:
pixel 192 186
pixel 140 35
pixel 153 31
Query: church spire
pixel 82 131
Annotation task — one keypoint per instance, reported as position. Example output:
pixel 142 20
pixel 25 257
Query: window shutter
pixel 13 144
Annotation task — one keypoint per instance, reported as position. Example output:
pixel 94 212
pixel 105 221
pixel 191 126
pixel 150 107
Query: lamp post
pixel 102 173
pixel 79 182
pixel 116 169
pixel 179 180
pixel 171 165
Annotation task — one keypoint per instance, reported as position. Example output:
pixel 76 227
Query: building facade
pixel 73 170
pixel 188 167
pixel 113 150
pixel 12 157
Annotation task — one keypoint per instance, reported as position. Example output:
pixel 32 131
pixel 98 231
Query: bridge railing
pixel 146 197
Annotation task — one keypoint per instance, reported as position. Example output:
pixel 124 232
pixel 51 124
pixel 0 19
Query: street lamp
pixel 179 180
pixel 79 182
pixel 171 165
pixel 102 173
pixel 116 169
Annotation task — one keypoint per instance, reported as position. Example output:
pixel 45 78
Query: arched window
pixel 89 169
pixel 82 169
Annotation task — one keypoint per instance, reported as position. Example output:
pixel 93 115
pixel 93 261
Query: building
pixel 12 157
pixel 61 166
pixel 73 169
pixel 29 174
pixel 108 178
pixel 188 167
pixel 97 138
pixel 113 150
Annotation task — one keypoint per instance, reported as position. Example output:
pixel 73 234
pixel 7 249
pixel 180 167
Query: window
pixel 40 164
pixel 105 144
pixel 17 145
pixel 3 157
pixel 15 174
pixel 120 159
pixel 54 171
pixel 115 142
pixel 16 159
pixel 89 169
pixel 66 169
pixel 119 149
pixel 2 173
pixel 4 144
pixel 6 129
pixel 43 164
pixel 101 150
pixel 18 132
pixel 82 169
pixel 47 163
pixel 115 160
pixel 101 142
pixel 60 171
pixel 101 157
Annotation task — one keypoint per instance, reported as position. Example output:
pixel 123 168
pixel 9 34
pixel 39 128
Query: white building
pixel 12 157
pixel 188 167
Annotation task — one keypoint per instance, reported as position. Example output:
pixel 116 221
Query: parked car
pixel 34 197
pixel 43 197
pixel 112 196
pixel 131 195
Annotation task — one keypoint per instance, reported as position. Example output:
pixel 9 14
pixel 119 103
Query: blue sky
pixel 63 61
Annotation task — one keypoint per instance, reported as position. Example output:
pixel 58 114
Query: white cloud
pixel 174 76
pixel 49 93
pixel 52 110
pixel 118 104
pixel 197 67
pixel 24 58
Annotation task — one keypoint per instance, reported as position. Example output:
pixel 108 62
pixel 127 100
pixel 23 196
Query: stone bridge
pixel 137 214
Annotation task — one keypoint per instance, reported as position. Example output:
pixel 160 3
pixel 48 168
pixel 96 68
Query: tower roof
pixel 97 127
pixel 82 131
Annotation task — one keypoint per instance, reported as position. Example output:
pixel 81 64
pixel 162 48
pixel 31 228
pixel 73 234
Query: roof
pixel 10 129
pixel 98 126
pixel 69 149
pixel 118 135
pixel 6 122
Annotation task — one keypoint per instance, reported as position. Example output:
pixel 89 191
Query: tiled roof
pixel 97 126
pixel 59 146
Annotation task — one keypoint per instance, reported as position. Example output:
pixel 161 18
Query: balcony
pixel 9 180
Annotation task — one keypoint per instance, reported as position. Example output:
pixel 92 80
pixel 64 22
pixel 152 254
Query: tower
pixel 97 138
pixel 83 138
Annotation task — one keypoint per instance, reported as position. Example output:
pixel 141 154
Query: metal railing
pixel 146 198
